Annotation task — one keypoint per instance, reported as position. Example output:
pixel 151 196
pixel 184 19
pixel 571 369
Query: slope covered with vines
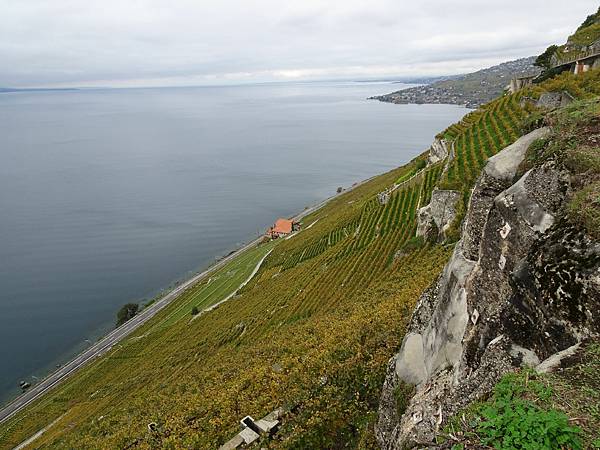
pixel 482 134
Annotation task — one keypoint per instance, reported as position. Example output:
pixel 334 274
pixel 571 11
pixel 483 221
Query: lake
pixel 109 196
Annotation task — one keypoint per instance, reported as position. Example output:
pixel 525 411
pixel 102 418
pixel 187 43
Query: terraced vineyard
pixel 312 331
pixel 374 221
pixel 482 134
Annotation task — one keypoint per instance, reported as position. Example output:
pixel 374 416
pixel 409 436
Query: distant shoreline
pixel 16 90
pixel 471 90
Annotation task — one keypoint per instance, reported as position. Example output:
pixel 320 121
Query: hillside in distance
pixel 471 90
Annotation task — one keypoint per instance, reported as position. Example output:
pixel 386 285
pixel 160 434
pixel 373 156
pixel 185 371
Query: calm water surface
pixel 109 196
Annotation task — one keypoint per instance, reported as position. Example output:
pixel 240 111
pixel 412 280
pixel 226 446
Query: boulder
pixel 438 151
pixel 496 176
pixel 552 100
pixel 434 219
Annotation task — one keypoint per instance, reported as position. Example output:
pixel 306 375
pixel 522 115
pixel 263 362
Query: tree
pixel 127 312
pixel 544 60
pixel 195 310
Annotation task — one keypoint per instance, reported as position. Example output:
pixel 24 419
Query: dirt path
pixel 26 442
pixel 210 308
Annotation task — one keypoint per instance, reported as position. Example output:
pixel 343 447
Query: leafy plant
pixel 511 421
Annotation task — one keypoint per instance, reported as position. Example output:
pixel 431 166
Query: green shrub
pixel 126 313
pixel 511 421
pixel 544 59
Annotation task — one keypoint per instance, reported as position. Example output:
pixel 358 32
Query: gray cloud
pixel 159 42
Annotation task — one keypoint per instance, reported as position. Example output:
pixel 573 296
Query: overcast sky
pixel 187 42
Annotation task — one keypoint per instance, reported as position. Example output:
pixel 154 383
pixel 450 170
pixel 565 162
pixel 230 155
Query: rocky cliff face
pixel 522 285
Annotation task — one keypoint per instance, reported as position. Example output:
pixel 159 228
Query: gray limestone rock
pixel 435 218
pixel 503 166
pixel 551 100
pixel 521 285
pixel 497 175
pixel 438 151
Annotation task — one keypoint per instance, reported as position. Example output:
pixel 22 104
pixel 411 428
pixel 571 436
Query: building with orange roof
pixel 282 227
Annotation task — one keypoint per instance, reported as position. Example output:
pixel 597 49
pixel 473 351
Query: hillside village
pixel 471 90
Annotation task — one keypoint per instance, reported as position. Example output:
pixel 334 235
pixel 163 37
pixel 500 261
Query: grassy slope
pixel 588 32
pixel 575 391
pixel 217 287
pixel 312 331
